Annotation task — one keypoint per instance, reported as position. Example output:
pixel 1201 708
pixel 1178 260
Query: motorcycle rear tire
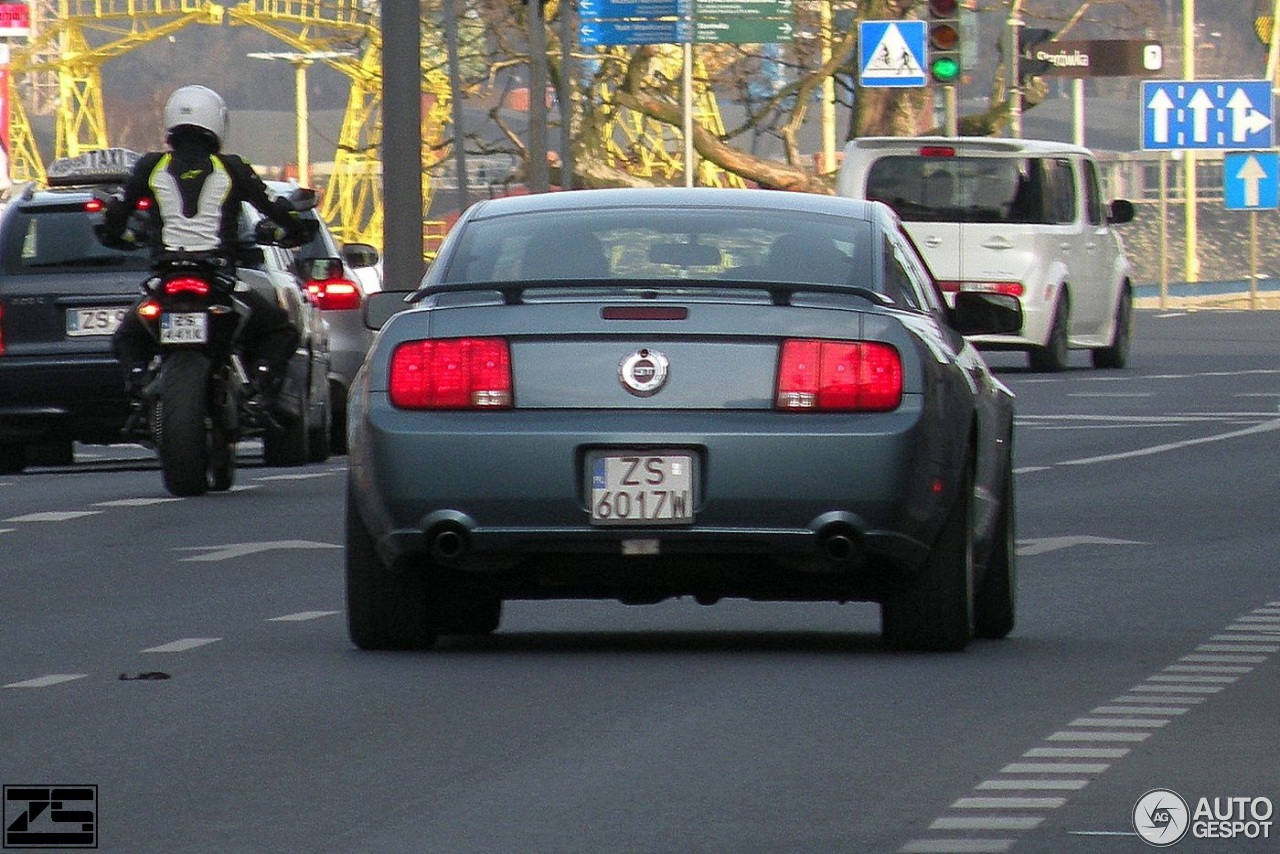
pixel 182 423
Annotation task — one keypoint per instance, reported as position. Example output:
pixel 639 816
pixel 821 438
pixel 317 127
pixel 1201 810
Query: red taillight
pixel 186 285
pixel 841 376
pixel 452 373
pixel 937 151
pixel 1012 289
pixel 143 204
pixel 334 294
pixel 149 310
pixel 94 206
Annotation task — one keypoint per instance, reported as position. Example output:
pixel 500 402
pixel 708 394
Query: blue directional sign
pixel 593 33
pixel 892 53
pixel 1251 180
pixel 634 8
pixel 1207 114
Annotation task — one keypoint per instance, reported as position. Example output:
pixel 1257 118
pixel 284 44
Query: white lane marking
pixel 1077 753
pixel 1226 659
pixel 957 846
pixel 182 645
pixel 1055 768
pixel 1064 784
pixel 1008 803
pixel 300 476
pixel 1238 647
pixel 1138 710
pixel 7 530
pixel 1206 668
pixel 227 551
pixel 990 822
pixel 134 502
pixel 1152 698
pixel 1089 735
pixel 1029 469
pixel 1040 545
pixel 1258 618
pixel 46 681
pixel 300 616
pixel 1120 722
pixel 1190 689
pixel 53 516
pixel 1265 427
pixel 1174 677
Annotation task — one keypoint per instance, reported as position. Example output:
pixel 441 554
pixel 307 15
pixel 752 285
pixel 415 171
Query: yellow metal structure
pixel 648 148
pixel 72 39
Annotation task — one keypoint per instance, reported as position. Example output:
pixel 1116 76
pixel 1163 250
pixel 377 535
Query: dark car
pixel 337 278
pixel 641 394
pixel 62 295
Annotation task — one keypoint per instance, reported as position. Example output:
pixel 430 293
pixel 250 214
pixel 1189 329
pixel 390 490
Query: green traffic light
pixel 945 69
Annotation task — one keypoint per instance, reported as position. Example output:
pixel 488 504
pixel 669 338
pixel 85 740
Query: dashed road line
pixel 46 681
pixel 53 516
pixel 182 645
pixel 301 616
pixel 1067 760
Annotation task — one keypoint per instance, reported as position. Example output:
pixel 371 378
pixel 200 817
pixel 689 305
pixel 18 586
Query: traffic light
pixel 944 41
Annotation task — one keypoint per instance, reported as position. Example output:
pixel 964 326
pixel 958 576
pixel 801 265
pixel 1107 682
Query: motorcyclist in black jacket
pixel 195 193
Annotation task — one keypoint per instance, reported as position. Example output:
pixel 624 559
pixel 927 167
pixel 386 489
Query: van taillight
pixel 451 373
pixel 838 376
pixel 1011 289
pixel 334 294
pixel 937 151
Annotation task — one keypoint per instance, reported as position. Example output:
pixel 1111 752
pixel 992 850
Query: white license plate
pixel 184 327
pixel 641 489
pixel 93 321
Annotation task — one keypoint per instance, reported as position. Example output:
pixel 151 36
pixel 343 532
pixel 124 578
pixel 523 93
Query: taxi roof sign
pixel 100 166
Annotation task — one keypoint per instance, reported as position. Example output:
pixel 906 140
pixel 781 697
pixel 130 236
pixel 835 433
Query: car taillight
pixel 451 373
pixel 186 285
pixel 94 206
pixel 1012 289
pixel 838 376
pixel 937 151
pixel 334 294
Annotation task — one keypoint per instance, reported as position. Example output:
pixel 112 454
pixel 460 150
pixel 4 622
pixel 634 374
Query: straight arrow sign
pixel 1251 180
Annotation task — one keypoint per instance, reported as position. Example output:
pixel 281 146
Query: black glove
pixel 125 241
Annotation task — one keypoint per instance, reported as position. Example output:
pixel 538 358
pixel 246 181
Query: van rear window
pixel 975 189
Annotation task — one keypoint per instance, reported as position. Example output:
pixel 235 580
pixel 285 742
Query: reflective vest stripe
pixel 199 232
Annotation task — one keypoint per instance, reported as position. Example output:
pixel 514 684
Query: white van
pixel 1017 216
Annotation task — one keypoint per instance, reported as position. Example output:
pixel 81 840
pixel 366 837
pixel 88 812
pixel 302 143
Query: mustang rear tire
pixel 387 608
pixel 995 600
pixel 182 431
pixel 933 612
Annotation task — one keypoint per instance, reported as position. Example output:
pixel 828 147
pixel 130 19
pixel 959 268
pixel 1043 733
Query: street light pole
pixel 300 62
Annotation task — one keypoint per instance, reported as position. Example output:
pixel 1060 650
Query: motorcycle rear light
pixel 149 310
pixel 186 285
pixel 838 376
pixel 451 373
pixel 334 294
pixel 144 204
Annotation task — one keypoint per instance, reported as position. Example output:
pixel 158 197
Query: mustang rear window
pixel 59 241
pixel 648 244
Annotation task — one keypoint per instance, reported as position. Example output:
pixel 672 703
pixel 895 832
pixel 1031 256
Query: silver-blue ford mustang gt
pixel 639 394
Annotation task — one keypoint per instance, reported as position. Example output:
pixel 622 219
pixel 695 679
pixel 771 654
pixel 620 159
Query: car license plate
pixel 184 327
pixel 93 321
pixel 641 489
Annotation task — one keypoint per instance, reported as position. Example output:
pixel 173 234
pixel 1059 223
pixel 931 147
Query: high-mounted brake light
pixel 186 285
pixel 334 294
pixel 937 151
pixel 451 373
pixel 838 376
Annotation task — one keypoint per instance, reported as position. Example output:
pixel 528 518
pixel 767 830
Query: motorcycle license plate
pixel 641 489
pixel 184 327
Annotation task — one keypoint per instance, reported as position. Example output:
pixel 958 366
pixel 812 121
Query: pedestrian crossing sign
pixel 892 53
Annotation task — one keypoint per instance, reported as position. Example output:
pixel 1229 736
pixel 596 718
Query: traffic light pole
pixel 1012 63
pixel 951 110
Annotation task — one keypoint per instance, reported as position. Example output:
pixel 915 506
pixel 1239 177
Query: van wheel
pixel 1117 354
pixel 1053 356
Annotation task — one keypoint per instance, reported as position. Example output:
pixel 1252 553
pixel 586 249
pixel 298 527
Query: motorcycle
pixel 196 400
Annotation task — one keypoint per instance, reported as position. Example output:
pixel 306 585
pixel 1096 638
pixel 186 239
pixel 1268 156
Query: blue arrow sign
pixel 593 33
pixel 634 8
pixel 891 53
pixel 1251 180
pixel 1207 114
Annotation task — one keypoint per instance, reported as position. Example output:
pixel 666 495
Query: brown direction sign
pixel 1097 57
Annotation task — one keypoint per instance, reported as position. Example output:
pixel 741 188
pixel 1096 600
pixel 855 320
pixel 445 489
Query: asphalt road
pixel 186 663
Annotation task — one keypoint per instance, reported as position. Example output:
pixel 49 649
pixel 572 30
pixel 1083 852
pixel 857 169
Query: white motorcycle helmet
pixel 197 106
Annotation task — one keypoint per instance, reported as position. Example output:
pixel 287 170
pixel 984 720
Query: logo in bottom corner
pixel 1161 817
